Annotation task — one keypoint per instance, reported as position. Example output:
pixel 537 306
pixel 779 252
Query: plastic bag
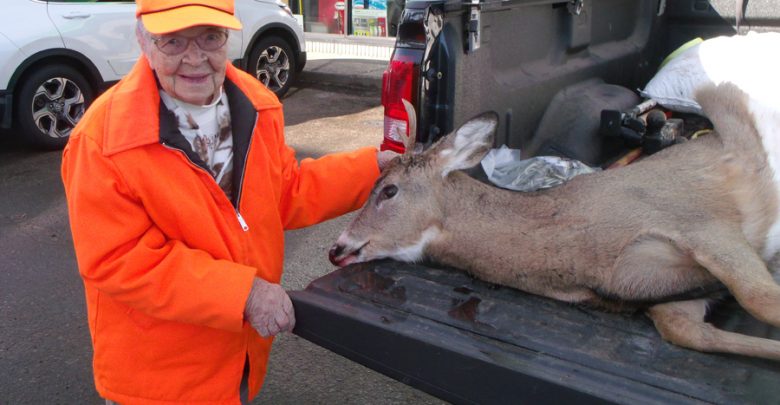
pixel 749 61
pixel 505 168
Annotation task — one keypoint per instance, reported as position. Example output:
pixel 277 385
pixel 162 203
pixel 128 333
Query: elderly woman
pixel 179 187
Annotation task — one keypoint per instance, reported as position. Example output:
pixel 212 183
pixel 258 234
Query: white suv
pixel 57 55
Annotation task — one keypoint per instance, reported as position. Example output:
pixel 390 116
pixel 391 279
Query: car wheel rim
pixel 57 106
pixel 273 68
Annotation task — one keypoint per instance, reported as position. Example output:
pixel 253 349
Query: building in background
pixel 364 18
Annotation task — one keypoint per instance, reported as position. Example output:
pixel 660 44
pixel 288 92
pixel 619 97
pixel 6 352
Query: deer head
pixel 403 213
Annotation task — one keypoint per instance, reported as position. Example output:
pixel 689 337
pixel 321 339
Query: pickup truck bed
pixel 467 341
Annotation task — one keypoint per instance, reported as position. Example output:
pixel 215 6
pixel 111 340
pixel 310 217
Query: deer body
pixel 665 234
pixel 589 235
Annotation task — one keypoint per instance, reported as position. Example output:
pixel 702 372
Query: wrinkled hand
pixel 268 309
pixel 384 157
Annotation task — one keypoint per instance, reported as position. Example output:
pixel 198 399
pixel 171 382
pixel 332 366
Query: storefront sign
pixel 369 18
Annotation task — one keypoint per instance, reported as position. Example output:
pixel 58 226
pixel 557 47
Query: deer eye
pixel 388 192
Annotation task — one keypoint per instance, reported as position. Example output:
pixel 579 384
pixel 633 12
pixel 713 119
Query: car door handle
pixel 75 15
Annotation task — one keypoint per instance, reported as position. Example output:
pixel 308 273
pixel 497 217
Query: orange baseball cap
pixel 165 16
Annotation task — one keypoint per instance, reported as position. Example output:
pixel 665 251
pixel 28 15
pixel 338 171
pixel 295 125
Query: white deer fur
pixel 665 234
pixel 767 120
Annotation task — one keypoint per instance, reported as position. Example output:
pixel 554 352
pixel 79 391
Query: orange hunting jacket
pixel 167 260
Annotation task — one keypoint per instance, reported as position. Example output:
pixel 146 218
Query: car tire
pixel 49 103
pixel 272 62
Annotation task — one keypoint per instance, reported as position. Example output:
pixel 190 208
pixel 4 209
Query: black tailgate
pixel 467 341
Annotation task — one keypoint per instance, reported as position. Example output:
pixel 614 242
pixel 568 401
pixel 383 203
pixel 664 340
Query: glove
pixel 268 309
pixel 384 157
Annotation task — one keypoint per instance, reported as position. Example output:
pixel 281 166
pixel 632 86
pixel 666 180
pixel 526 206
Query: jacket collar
pixel 242 122
pixel 133 116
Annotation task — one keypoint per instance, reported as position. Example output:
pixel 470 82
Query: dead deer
pixel 665 234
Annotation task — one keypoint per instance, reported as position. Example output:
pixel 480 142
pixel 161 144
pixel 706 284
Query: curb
pixel 343 75
pixel 345 64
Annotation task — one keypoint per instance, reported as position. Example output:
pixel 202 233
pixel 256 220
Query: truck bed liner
pixel 467 341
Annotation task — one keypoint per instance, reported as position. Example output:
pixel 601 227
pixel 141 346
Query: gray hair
pixel 141 28
pixel 143 36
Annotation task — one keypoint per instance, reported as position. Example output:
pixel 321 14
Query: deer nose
pixel 335 251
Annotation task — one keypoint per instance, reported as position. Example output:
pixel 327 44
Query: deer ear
pixel 467 146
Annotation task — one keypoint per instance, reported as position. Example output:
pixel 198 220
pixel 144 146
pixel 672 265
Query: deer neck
pixel 519 233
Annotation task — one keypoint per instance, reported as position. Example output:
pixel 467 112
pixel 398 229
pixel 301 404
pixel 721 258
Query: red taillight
pixel 397 84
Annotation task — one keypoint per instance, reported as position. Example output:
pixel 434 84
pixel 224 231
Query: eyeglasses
pixel 172 45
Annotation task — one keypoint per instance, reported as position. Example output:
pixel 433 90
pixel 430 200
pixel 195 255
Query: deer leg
pixel 729 257
pixel 682 323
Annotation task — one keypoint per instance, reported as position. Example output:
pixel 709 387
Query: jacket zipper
pixel 241 221
pixel 243 172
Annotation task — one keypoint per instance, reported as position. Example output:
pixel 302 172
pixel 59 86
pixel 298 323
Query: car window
pixel 103 31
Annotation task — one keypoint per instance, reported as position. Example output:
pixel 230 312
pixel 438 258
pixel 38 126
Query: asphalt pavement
pixel 343 74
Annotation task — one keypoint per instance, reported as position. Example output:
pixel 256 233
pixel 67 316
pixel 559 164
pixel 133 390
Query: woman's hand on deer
pixel 269 309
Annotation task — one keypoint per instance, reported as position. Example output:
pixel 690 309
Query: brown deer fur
pixel 664 234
